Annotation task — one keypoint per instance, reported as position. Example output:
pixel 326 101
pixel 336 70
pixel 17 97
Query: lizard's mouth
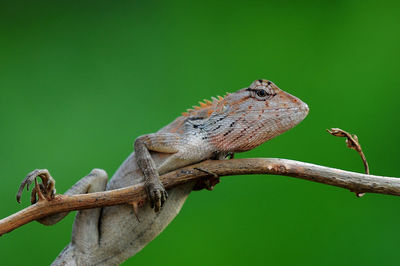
pixel 304 108
pixel 293 114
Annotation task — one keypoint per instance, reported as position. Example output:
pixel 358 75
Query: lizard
pixel 216 129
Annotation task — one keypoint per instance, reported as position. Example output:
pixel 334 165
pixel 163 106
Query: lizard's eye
pixel 261 93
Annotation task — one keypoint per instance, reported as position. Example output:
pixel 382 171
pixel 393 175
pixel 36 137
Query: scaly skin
pixel 238 122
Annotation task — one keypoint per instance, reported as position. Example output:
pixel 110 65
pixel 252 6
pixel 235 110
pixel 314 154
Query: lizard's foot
pixel 45 191
pixel 157 194
pixel 208 182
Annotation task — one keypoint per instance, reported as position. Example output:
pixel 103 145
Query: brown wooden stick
pixel 352 143
pixel 330 176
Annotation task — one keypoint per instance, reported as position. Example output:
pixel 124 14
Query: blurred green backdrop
pixel 80 80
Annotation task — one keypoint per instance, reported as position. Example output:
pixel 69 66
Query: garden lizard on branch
pixel 216 129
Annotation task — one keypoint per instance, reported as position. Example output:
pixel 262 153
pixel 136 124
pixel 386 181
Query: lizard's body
pixel 238 122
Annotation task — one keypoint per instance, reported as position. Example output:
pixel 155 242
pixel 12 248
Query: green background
pixel 80 80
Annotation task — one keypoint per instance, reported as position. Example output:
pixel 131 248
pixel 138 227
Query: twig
pixel 330 176
pixel 352 143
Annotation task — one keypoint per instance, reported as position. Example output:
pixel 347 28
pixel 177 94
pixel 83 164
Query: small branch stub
pixel 352 143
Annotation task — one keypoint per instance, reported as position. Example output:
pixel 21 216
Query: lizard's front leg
pixel 158 142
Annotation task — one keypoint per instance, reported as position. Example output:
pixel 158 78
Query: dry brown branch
pixel 352 143
pixel 330 176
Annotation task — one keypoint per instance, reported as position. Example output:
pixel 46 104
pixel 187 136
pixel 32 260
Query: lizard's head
pixel 253 115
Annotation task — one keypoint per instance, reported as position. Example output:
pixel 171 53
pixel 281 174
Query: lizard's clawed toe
pixel 44 191
pixel 158 195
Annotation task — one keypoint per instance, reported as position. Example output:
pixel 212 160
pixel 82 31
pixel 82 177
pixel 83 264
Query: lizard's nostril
pixel 305 107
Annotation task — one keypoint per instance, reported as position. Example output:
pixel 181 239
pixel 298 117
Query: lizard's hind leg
pixel 44 191
pixel 95 181
pixel 85 231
